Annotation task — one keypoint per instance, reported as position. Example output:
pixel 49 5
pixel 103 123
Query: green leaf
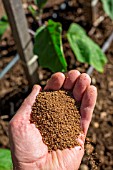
pixel 5 159
pixel 108 7
pixel 3 25
pixel 40 3
pixel 85 50
pixel 48 46
pixel 32 10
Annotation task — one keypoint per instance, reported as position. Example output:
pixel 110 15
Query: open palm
pixel 28 150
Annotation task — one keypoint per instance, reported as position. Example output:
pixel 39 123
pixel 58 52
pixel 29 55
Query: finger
pixel 55 82
pixel 87 107
pixel 81 84
pixel 70 79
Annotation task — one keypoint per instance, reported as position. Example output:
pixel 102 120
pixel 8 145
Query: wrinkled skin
pixel 28 150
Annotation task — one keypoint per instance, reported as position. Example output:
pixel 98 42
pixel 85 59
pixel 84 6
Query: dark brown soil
pixel 4 140
pixel 56 116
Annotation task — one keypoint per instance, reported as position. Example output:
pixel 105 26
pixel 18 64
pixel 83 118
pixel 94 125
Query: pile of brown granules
pixel 56 115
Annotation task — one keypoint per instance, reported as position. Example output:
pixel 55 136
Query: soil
pixel 58 124
pixel 14 86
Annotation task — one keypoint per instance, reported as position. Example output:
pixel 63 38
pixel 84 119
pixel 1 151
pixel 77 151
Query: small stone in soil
pixel 56 115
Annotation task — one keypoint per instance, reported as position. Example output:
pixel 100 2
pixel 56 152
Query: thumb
pixel 32 96
pixel 25 109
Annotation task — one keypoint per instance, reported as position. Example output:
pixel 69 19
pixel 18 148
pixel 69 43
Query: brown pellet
pixel 56 115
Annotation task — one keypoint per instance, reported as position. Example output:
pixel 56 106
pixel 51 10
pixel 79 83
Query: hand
pixel 28 150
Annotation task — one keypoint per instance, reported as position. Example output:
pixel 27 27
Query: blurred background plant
pixel 5 159
pixel 48 39
pixel 108 7
pixel 3 25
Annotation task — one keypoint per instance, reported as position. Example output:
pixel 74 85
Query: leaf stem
pixel 39 17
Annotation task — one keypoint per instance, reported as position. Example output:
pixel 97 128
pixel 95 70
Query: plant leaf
pixel 3 25
pixel 85 50
pixel 48 46
pixel 40 3
pixel 5 159
pixel 108 7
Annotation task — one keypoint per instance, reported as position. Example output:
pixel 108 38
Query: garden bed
pixel 14 86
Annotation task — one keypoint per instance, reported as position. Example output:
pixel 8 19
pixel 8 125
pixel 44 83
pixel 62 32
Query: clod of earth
pixel 56 115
